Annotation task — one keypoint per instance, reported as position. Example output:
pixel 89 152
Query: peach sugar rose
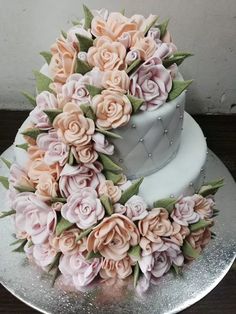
pixel 113 237
pixel 37 168
pixel 73 127
pixel 107 55
pixel 109 189
pixel 112 109
pixel 63 61
pixel 146 46
pixel 116 80
pixel 47 187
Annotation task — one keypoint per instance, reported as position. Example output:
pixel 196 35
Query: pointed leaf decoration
pixel 71 158
pixel 88 17
pixel 136 274
pixel 30 98
pixel 75 23
pixel 4 181
pixel 47 56
pixel 64 34
pixel 84 234
pixel 163 28
pixel 20 249
pixel 55 262
pixel 189 251
pixel 24 146
pixel 33 133
pixel 200 224
pixel 135 102
pixel 91 255
pixel 177 270
pixel 55 276
pixel 52 113
pixel 109 165
pixel 62 226
pixel 135 253
pixel 84 42
pixel 88 111
pixel 17 242
pixel 108 133
pixel 42 82
pixel 5 214
pixel 115 178
pixel 132 190
pixel 82 67
pixel 210 188
pixel 122 11
pixel 177 58
pixel 58 199
pixel 22 188
pixel 6 162
pixel 93 90
pixel 133 66
pixel 167 203
pixel 148 27
pixel 177 88
pixel 106 203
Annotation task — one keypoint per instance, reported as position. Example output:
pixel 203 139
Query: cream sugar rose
pixel 110 109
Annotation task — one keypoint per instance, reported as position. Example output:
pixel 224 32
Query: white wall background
pixel 205 27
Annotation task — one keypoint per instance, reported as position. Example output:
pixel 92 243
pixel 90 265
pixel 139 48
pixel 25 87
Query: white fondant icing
pixel 184 174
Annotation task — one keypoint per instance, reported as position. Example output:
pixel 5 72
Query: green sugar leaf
pixel 177 58
pixel 64 34
pixel 135 102
pixel 133 66
pixel 200 224
pixel 106 203
pixel 177 88
pixel 56 274
pixel 136 274
pixel 108 133
pixel 189 251
pixel 148 27
pixel 167 203
pixel 47 56
pixel 82 67
pixel 93 90
pixel 88 17
pixel 132 190
pixel 108 164
pixel 163 28
pixel 177 270
pixel 5 214
pixel 210 188
pixel 58 199
pixel 91 255
pixel 52 113
pixel 115 178
pixel 84 42
pixel 42 82
pixel 30 98
pixel 135 253
pixel 88 111
pixel 6 162
pixel 17 242
pixel 71 158
pixel 24 146
pixel 122 11
pixel 33 133
pixel 20 249
pixel 4 182
pixel 84 234
pixel 63 225
pixel 22 188
pixel 55 262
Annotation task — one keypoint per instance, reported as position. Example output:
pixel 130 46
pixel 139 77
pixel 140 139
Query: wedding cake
pixel 108 176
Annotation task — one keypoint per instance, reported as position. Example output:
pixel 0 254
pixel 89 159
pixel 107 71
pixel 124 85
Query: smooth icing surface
pixel 185 173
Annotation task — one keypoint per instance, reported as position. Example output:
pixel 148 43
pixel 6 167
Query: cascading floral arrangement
pixel 75 213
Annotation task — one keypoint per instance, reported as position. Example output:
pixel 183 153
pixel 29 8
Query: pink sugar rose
pixel 203 206
pixel 34 217
pixel 74 178
pixel 44 101
pixel 79 271
pixel 136 208
pixel 55 150
pixel 44 254
pixel 102 145
pixel 184 213
pixel 83 208
pixel 151 82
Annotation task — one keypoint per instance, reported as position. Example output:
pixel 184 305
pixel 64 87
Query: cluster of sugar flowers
pixel 73 209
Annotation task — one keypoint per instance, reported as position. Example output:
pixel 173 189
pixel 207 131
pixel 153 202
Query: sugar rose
pixel 107 55
pixel 136 208
pixel 68 244
pixel 102 145
pixel 151 82
pixel 46 187
pixel 108 188
pixel 179 233
pixel 112 109
pixel 63 61
pixel 38 167
pixel 198 240
pixel 113 237
pixel 83 208
pixel 116 80
pixel 203 206
pixel 184 213
pixel 72 127
pixel 85 154
pixel 146 47
pixel 71 35
pixel 44 254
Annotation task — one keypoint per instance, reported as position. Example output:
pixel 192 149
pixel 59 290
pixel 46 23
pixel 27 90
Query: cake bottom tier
pixel 185 173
